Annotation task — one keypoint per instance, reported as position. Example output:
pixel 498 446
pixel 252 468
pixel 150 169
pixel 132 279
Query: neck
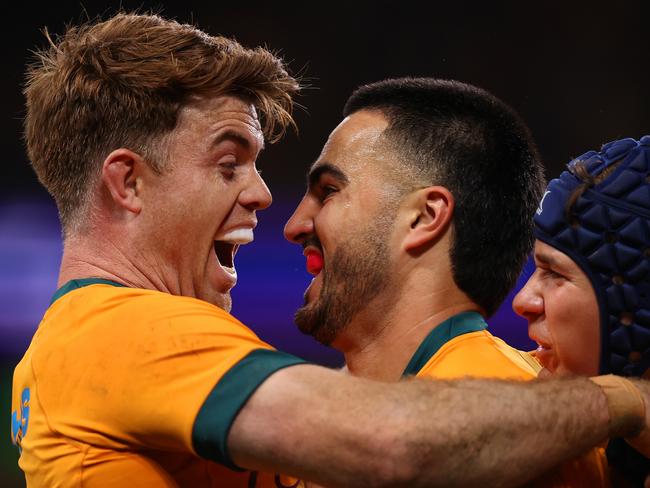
pixel 85 256
pixel 380 347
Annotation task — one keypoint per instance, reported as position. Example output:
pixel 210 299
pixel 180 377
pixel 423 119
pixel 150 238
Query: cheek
pixel 576 334
pixel 330 224
pixel 208 201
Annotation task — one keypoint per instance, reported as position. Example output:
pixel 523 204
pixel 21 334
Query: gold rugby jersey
pixel 131 387
pixel 461 346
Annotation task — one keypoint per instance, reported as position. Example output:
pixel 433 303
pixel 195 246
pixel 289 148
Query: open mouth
pixel 315 261
pixel 542 345
pixel 226 247
pixel 542 348
pixel 545 355
pixel 225 252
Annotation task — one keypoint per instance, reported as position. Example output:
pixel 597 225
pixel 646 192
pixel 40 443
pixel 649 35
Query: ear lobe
pixel 121 176
pixel 433 208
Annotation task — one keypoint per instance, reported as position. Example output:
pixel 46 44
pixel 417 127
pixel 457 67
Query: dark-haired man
pixel 146 133
pixel 416 223
pixel 418 208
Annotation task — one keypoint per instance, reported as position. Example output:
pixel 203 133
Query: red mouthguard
pixel 314 262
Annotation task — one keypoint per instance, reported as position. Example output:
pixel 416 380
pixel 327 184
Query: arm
pixel 340 430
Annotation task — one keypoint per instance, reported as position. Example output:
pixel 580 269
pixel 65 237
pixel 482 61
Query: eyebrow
pixel 546 259
pixel 326 169
pixel 236 137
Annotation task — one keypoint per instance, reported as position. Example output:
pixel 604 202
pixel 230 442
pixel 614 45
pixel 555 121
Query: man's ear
pixel 121 174
pixel 430 211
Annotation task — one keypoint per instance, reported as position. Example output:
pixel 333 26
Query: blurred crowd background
pixel 577 72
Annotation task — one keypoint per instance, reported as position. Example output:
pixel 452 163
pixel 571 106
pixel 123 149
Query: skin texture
pixel 156 231
pixel 562 312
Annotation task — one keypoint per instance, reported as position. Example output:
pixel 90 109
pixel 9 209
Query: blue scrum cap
pixel 605 228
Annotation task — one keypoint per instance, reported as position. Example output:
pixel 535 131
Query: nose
pixel 528 302
pixel 256 196
pixel 301 223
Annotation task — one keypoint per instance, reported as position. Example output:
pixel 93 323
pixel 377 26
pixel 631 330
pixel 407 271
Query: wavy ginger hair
pixel 121 83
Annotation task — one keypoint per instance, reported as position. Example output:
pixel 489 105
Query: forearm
pixel 321 427
pixel 497 433
pixel 343 431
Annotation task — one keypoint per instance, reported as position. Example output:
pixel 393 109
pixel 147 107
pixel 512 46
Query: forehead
pixel 546 253
pixel 355 145
pixel 206 116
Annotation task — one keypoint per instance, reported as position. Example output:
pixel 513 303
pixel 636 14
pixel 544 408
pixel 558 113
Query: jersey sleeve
pixel 229 395
pixel 165 373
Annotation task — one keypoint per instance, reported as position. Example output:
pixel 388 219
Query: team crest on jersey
pixel 19 423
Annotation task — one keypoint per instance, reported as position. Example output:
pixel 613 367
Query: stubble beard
pixel 355 274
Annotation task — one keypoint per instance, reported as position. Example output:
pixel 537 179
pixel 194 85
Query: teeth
pixel 238 236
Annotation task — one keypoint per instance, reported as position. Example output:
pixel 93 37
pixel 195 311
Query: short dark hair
pixel 465 139
pixel 121 83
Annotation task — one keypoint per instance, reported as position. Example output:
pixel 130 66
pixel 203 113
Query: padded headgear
pixel 607 233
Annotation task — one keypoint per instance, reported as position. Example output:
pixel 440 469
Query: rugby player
pixel 588 302
pixel 146 133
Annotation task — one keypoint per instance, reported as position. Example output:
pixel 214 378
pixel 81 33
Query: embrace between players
pixel 418 217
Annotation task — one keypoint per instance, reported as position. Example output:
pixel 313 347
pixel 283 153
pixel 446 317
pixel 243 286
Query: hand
pixel 641 442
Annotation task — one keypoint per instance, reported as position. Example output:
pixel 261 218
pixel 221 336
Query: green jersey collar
pixel 463 323
pixel 74 284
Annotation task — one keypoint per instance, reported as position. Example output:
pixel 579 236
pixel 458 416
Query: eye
pixel 551 274
pixel 326 191
pixel 228 169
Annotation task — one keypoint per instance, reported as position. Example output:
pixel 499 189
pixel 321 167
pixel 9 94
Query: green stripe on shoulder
pixel 80 283
pixel 463 323
pixel 213 422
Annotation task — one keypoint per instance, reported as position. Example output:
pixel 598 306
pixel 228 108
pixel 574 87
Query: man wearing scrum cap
pixel 146 133
pixel 588 301
pixel 416 223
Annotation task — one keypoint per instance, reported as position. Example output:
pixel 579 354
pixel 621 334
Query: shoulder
pixel 142 321
pixel 478 354
pixel 138 305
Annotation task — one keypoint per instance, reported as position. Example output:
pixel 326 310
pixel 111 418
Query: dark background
pixel 577 73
